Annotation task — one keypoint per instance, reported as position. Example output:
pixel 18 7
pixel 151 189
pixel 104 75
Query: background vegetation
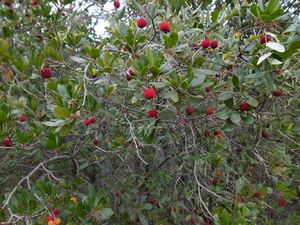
pixel 79 145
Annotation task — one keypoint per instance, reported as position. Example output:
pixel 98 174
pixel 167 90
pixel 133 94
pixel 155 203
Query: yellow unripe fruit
pixel 74 199
pixel 57 221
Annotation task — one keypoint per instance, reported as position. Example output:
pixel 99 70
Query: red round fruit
pixel 165 27
pixel 117 194
pixel 34 2
pixel 117 4
pixel 244 106
pixel 282 203
pixel 216 132
pixel 298 182
pixel 257 194
pixel 46 72
pixel 7 142
pixel 210 111
pixel 93 120
pixel 152 113
pixel 214 44
pixel 205 43
pixel 193 220
pixel 277 93
pixel 265 39
pixel 56 212
pixel 149 93
pixel 142 22
pixel 96 141
pixel 264 134
pixel 189 110
pixel 215 181
pixel 207 133
pixel 22 119
pixel 87 122
pixel 50 218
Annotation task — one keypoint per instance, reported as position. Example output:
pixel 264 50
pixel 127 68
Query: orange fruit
pixel 74 199
pixel 57 221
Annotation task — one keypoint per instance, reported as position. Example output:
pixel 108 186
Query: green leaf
pixel 143 219
pixel 222 115
pixel 276 46
pixel 171 40
pixel 175 96
pixel 272 6
pixel 106 213
pixel 255 10
pixel 263 57
pixel 214 15
pixel 78 59
pixel 235 117
pixel 235 82
pixel 53 123
pixel 61 112
pixel 252 101
pixel 226 95
pixel 196 82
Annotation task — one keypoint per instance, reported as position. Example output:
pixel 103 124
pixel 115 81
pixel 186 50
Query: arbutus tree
pixel 184 112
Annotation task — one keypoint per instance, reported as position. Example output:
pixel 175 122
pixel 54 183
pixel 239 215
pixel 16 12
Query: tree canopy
pixel 185 112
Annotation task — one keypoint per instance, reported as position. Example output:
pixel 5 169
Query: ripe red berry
pixel 55 211
pixel 117 194
pixel 207 133
pixel 215 181
pixel 277 93
pixel 96 141
pixel 257 194
pixel 22 119
pixel 50 218
pixel 205 43
pixel 142 22
pixel 298 182
pixel 214 44
pixel 117 4
pixel 216 132
pixel 264 134
pixel 34 2
pixel 193 220
pixel 149 93
pixel 189 110
pixel 282 203
pixel 93 120
pixel 87 122
pixel 46 72
pixel 165 27
pixel 152 113
pixel 210 111
pixel 244 106
pixel 265 39
pixel 7 142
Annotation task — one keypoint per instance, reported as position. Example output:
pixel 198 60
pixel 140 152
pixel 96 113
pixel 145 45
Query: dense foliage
pixel 186 112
